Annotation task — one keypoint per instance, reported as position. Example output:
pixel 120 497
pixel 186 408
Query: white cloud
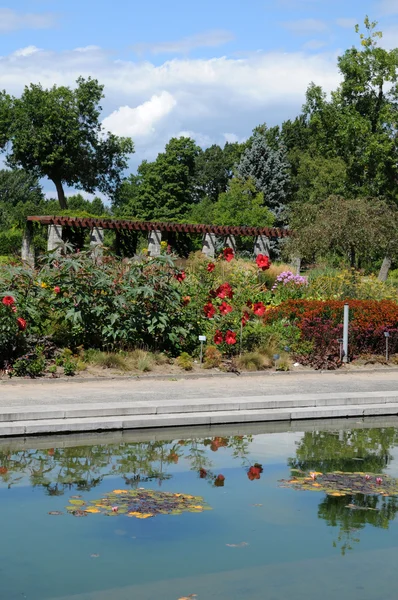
pixel 12 20
pixel 305 26
pixel 388 7
pixel 28 51
pixel 347 23
pixel 140 121
pixel 209 97
pixel 207 39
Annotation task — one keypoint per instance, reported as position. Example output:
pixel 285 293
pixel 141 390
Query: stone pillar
pixel 96 237
pixel 230 242
pixel 261 245
pixel 54 239
pixel 154 239
pixel 296 264
pixel 28 251
pixel 209 244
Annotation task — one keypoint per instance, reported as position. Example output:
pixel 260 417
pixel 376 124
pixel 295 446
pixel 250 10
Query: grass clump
pixel 142 361
pixel 184 361
pixel 253 361
pixel 106 360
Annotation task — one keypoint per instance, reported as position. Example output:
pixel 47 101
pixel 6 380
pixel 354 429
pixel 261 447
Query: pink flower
pixel 115 508
pixel 57 289
pixel 367 477
pixel 379 480
pixel 313 476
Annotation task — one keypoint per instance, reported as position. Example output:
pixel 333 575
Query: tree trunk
pixel 61 194
pixel 385 267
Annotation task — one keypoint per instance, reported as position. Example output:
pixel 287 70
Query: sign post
pixel 202 338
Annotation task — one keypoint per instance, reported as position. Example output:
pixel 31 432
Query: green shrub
pixel 10 242
pixel 70 368
pixel 12 340
pixel 184 361
pixel 31 365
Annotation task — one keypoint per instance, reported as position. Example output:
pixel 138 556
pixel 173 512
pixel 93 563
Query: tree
pixel 163 189
pixel 317 178
pixel 269 170
pixel 360 230
pixel 242 205
pixel 19 186
pixel 214 168
pixel 56 133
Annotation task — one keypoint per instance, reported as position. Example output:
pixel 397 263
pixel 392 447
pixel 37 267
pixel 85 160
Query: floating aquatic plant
pixel 141 504
pixel 339 483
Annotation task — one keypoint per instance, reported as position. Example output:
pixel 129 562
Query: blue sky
pixel 213 69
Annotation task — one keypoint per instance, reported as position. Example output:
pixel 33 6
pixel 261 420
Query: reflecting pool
pixel 252 512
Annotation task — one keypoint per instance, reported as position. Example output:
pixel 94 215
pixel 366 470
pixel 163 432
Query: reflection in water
pixel 57 470
pixel 366 450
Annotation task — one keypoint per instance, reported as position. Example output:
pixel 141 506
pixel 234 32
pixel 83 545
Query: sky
pixel 211 69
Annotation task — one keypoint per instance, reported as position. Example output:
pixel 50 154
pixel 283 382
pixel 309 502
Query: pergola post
pixel 54 239
pixel 28 251
pixel 230 242
pixel 209 244
pixel 261 245
pixel 154 240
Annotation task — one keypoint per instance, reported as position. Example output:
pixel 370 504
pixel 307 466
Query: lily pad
pixel 344 484
pixel 140 503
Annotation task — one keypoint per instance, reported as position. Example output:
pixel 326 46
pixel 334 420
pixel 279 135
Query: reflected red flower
pixel 50 452
pixel 209 310
pixel 228 254
pixel 202 473
pixel 230 338
pixel 225 308
pixel 173 457
pixel 263 262
pixel 259 309
pixel 218 337
pixel 8 300
pixel 210 267
pixel 3 470
pixel 21 323
pixel 219 481
pixel 180 276
pixel 255 472
pixel 224 291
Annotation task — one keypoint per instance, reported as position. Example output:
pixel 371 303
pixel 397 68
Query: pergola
pixel 209 233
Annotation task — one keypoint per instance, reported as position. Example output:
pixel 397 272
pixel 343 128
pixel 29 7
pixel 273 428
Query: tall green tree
pixel 162 189
pixel 214 168
pixel 269 170
pixel 57 133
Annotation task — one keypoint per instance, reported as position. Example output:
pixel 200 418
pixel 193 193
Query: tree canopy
pixel 56 133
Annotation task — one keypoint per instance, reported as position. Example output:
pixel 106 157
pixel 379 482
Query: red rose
pixel 225 308
pixel 21 323
pixel 180 276
pixel 57 289
pixel 211 267
pixel 228 254
pixel 8 301
pixel 263 262
pixel 209 310
pixel 224 291
pixel 218 338
pixel 259 309
pixel 230 338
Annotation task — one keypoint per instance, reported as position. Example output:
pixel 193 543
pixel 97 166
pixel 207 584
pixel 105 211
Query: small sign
pixel 202 338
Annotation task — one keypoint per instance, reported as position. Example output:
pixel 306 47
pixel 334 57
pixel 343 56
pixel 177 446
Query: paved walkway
pixel 30 393
pixel 42 407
